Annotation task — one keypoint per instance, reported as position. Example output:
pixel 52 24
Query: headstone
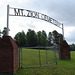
pixel 8 56
pixel 64 50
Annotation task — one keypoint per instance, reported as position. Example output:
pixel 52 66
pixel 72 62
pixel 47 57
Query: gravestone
pixel 64 50
pixel 8 56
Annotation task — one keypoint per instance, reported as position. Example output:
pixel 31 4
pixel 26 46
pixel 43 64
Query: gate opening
pixel 35 56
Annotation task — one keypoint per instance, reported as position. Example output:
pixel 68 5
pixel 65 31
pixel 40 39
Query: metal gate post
pixel 59 53
pixel 39 57
pixel 54 52
pixel 46 57
pixel 63 31
pixel 7 21
pixel 19 57
pixel 55 55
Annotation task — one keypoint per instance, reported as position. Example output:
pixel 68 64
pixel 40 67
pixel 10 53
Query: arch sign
pixel 33 14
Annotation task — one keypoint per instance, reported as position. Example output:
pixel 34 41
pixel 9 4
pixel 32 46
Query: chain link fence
pixel 38 56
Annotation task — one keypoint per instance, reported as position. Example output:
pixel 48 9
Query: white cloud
pixel 70 34
pixel 68 31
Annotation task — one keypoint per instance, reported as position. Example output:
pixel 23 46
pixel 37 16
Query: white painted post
pixel 7 21
pixel 63 31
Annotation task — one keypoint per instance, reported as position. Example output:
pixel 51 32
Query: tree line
pixel 72 47
pixel 32 38
pixel 40 38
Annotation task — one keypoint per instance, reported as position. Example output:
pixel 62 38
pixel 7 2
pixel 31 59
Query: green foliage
pixel 42 38
pixel 31 57
pixel 55 35
pixel 50 39
pixel 20 39
pixel 63 67
pixel 31 38
pixel 72 47
pixel 37 39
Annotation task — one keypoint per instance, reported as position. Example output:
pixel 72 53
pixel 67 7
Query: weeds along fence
pixel 38 56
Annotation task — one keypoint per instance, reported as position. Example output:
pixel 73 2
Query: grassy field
pixel 31 57
pixel 63 67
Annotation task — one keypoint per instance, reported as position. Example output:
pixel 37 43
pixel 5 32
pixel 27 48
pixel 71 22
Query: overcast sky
pixel 61 10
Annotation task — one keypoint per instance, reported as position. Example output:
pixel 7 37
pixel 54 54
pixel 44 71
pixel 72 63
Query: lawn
pixel 31 57
pixel 63 67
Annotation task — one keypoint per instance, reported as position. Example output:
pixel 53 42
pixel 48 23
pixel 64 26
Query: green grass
pixel 31 57
pixel 63 67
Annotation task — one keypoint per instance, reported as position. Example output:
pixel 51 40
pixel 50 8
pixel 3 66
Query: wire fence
pixel 38 56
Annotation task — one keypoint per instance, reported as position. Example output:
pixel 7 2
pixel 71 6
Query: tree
pixel 55 37
pixel 31 38
pixel 42 38
pixel 72 47
pixel 60 37
pixel 39 38
pixel 50 39
pixel 44 33
pixel 20 39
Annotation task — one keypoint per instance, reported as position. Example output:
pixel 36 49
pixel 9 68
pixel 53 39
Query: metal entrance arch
pixel 32 14
pixel 37 15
